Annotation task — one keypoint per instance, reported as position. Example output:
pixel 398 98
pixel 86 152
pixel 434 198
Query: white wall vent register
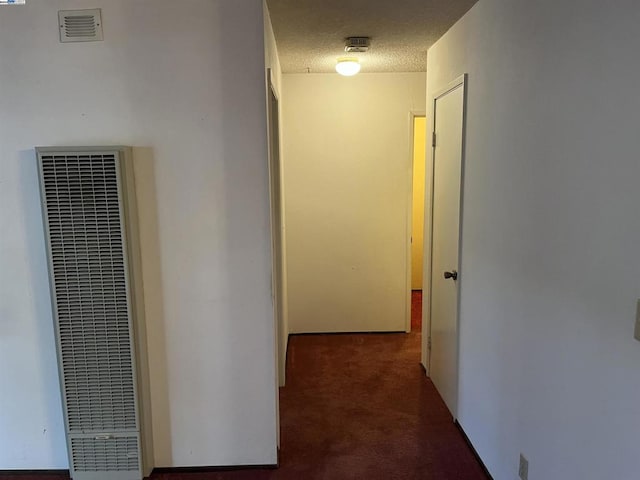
pixel 90 220
pixel 80 25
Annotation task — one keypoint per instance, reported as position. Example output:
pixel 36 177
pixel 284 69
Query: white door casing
pixel 277 248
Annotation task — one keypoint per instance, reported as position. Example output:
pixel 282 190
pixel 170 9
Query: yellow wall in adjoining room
pixel 417 231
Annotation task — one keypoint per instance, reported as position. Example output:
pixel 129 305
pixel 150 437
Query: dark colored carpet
pixel 358 406
pixel 416 311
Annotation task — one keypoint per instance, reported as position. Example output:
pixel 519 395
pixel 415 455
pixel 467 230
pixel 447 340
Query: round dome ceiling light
pixel 348 67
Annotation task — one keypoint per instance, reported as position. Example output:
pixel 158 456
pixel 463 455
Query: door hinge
pixel 433 139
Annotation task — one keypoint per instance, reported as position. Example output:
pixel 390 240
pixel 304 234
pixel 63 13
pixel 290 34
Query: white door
pixel 448 126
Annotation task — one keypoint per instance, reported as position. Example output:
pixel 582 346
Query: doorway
pixel 445 222
pixel 275 184
pixel 419 152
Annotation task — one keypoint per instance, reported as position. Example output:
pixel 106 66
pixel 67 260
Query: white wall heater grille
pixel 91 227
pixel 104 454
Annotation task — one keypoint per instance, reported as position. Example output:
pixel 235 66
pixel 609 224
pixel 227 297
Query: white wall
pixel 550 266
pixel 187 85
pixel 347 171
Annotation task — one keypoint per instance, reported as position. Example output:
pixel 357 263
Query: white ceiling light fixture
pixel 348 67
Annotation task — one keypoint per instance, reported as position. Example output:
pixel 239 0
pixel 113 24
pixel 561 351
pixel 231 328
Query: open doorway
pixel 419 152
pixel 277 240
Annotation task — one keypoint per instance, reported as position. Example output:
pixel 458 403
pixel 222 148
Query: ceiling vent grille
pixel 80 25
pixel 357 44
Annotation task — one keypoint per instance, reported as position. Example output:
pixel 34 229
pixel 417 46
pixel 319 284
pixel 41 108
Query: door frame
pixel 278 285
pixel 462 80
pixel 412 116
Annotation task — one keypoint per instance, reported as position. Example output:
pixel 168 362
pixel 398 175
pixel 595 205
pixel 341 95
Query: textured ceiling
pixel 310 34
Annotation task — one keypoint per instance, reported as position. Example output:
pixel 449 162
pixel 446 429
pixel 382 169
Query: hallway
pixel 356 407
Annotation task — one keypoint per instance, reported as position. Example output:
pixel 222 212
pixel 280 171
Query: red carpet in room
pixel 359 407
pixel 416 311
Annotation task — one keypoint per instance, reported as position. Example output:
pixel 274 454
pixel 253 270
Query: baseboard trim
pixel 58 472
pixel 160 470
pixel 383 332
pixel 473 450
pixel 212 469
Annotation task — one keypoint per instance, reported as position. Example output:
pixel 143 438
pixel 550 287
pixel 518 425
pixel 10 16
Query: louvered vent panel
pixel 88 270
pixel 80 25
pixel 105 455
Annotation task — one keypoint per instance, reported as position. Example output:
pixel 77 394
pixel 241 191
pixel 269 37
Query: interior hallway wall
pixel 188 85
pixel 347 171
pixel 550 270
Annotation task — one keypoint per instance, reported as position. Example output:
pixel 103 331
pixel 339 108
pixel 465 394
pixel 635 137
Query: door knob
pixel 453 274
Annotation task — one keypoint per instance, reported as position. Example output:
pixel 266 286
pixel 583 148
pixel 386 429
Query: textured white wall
pixel 186 85
pixel 550 265
pixel 347 162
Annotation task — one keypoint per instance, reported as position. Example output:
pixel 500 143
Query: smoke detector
pixel 357 44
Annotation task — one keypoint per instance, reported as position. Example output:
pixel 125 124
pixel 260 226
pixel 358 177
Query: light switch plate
pixel 637 334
